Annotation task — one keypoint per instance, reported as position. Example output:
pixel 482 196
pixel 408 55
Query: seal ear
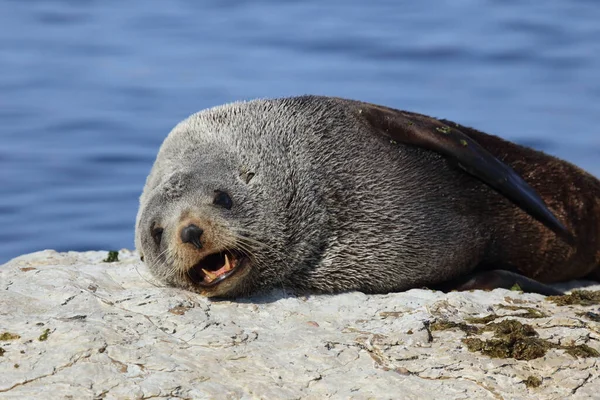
pixel 431 134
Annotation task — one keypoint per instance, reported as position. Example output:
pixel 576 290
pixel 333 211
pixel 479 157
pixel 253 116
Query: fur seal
pixel 325 195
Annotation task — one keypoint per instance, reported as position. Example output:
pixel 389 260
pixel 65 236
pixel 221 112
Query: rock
pixel 74 326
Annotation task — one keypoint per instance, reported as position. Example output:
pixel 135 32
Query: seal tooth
pixel 211 276
pixel 227 265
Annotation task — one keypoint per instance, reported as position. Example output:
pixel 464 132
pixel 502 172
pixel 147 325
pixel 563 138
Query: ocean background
pixel 89 89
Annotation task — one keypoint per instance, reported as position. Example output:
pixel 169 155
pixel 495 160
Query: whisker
pixel 155 284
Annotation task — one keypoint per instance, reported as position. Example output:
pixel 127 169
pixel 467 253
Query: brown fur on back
pixel 572 195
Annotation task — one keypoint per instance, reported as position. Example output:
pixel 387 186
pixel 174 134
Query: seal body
pixel 322 195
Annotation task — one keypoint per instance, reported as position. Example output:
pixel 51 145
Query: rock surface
pixel 73 326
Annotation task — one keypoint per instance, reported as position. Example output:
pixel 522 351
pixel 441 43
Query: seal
pixel 322 194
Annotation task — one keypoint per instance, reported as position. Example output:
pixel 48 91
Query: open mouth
pixel 216 267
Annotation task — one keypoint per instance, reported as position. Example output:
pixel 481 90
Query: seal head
pixel 214 215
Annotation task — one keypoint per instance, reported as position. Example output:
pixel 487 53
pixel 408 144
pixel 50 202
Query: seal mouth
pixel 216 267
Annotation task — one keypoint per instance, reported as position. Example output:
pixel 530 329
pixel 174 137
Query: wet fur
pixel 334 207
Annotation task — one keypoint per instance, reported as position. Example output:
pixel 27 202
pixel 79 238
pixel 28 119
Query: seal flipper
pixel 498 278
pixel 432 134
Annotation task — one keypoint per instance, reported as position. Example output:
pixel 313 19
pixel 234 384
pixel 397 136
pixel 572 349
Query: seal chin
pixel 217 267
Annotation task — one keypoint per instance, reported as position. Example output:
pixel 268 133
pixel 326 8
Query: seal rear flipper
pixel 432 134
pixel 498 278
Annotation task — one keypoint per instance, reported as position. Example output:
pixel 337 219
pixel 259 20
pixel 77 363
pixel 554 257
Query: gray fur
pixel 335 207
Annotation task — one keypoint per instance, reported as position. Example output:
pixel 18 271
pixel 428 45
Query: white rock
pixel 114 332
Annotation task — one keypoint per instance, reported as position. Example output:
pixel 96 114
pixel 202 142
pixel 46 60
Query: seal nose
pixel 191 234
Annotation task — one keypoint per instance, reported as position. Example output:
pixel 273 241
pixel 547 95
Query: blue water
pixel 89 89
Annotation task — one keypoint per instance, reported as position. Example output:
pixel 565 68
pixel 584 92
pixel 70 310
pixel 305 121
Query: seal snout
pixel 208 257
pixel 191 234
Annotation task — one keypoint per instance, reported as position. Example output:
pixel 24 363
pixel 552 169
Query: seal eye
pixel 222 199
pixel 157 235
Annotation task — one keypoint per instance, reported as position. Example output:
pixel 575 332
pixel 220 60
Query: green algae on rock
pixel 113 256
pixel 525 349
pixel 44 335
pixel 512 339
pixel 9 336
pixel 443 325
pixel 582 350
pixel 516 288
pixel 484 320
pixel 533 381
pixel 531 312
pixel 579 297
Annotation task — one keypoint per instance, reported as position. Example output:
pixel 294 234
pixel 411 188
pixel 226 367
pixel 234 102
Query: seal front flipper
pixel 431 134
pixel 498 278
